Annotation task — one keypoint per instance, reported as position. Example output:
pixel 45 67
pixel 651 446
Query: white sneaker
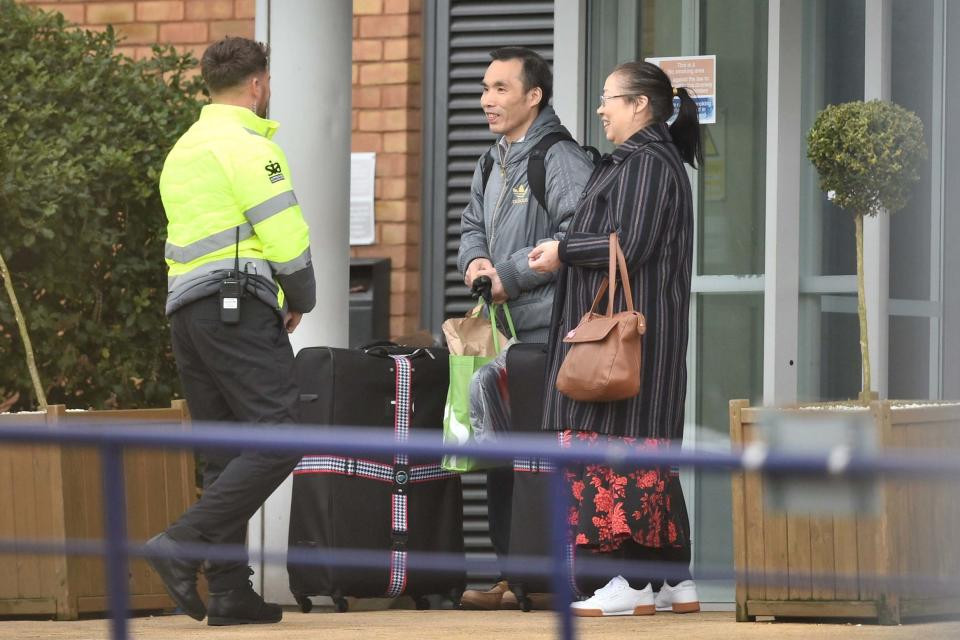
pixel 682 598
pixel 617 598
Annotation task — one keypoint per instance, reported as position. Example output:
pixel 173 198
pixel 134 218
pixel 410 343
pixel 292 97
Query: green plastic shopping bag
pixel 473 341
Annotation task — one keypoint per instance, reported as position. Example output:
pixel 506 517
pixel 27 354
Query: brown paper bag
pixel 474 335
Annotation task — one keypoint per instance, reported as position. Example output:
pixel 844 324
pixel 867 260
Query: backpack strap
pixel 485 170
pixel 593 153
pixel 536 170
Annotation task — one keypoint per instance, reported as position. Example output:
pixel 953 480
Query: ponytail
pixel 685 130
pixel 647 79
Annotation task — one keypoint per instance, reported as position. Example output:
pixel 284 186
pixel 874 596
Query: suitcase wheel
pixel 304 603
pixel 422 602
pixel 341 605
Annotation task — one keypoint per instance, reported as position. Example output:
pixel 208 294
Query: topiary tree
pixel 83 135
pixel 868 156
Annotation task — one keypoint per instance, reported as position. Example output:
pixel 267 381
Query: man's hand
pixel 496 287
pixel 473 270
pixel 545 257
pixel 291 320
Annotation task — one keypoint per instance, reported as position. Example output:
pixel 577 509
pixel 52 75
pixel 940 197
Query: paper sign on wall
pixel 362 173
pixel 699 75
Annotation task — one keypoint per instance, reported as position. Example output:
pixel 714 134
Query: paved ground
pixel 470 625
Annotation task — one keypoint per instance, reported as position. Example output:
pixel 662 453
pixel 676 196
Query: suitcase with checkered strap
pixel 386 506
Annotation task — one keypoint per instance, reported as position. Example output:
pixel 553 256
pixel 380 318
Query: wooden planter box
pixel 798 565
pixel 52 493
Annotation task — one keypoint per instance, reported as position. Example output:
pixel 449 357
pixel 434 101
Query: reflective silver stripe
pixel 182 282
pixel 292 266
pixel 200 248
pixel 271 207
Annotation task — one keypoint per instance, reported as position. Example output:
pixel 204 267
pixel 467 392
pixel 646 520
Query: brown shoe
pixel 485 600
pixel 509 601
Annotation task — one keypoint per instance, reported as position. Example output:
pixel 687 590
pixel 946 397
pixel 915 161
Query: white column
pixel 876 229
pixel 782 238
pixel 310 68
pixel 938 181
pixel 569 64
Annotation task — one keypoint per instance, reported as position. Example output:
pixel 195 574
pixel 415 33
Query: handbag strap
pixel 612 273
pixel 624 274
pixel 617 263
pixel 600 291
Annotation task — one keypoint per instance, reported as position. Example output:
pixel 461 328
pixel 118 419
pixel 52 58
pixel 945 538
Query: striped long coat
pixel 642 192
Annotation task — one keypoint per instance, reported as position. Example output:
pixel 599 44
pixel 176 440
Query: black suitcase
pixel 530 519
pixel 384 503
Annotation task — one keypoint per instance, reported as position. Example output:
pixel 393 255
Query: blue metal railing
pixel 112 440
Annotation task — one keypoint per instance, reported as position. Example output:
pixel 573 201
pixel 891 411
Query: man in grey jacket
pixel 506 218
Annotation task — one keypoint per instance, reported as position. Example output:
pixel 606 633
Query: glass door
pixel 918 65
pixel 725 353
pixel 728 264
pixel 726 349
pixel 833 72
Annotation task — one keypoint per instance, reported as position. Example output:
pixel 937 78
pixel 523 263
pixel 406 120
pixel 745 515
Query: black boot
pixel 179 575
pixel 241 606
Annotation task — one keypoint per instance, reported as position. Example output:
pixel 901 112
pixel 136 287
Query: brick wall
pixel 186 24
pixel 387 52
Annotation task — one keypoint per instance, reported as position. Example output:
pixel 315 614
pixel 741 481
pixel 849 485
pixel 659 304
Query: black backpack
pixel 536 171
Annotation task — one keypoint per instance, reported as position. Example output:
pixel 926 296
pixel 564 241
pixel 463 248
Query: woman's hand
pixel 545 257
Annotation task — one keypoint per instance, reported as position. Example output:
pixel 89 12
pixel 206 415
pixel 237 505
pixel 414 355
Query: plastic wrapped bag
pixel 490 399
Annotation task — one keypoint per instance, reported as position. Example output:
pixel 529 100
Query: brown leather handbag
pixel 604 362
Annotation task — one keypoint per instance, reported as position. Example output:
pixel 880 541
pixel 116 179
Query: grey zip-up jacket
pixel 504 222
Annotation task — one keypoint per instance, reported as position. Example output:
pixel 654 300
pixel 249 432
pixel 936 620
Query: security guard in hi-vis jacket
pixel 240 278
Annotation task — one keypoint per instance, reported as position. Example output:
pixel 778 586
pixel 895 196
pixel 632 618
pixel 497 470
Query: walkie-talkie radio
pixel 231 290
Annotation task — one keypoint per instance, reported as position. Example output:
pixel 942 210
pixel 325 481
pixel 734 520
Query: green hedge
pixel 83 135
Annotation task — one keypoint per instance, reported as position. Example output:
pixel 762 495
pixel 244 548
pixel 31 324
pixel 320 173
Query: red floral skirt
pixel 614 503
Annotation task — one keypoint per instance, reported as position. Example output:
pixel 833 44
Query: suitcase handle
pixel 378 343
pixel 380 350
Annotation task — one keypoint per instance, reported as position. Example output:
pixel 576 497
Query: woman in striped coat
pixel 641 191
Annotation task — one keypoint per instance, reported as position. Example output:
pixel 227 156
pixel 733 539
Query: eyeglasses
pixel 603 98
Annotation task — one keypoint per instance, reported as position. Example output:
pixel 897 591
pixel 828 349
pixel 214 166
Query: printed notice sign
pixel 699 75
pixel 362 172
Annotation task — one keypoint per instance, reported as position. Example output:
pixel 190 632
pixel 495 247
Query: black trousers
pixel 233 373
pixel 499 510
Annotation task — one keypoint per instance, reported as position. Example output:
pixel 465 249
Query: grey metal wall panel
pixel 459 34
pixel 463 33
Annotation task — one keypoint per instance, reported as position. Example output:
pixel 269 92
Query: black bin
pixel 369 300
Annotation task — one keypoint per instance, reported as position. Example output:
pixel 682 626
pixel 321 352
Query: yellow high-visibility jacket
pixel 226 177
